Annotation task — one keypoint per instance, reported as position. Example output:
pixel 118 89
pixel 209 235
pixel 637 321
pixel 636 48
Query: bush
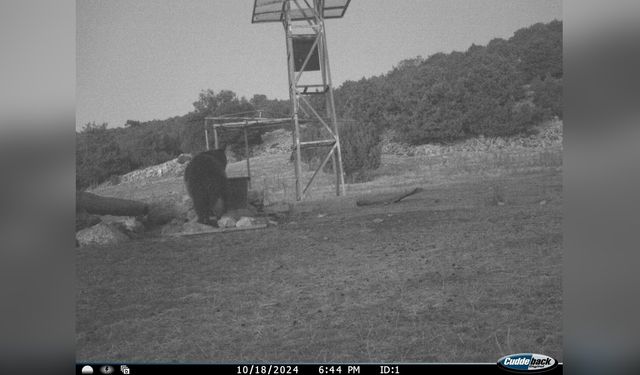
pixel 98 156
pixel 547 96
pixel 452 96
pixel 361 150
pixel 361 146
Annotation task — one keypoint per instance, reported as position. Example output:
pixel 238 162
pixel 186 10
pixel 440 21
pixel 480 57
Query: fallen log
pixel 95 204
pixel 218 230
pixel 393 199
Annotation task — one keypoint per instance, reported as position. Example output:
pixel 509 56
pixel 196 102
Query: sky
pixel 149 59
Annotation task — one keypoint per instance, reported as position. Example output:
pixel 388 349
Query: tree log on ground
pixel 394 199
pixel 95 204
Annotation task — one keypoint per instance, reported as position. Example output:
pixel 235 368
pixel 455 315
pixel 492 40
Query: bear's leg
pixel 202 208
pixel 212 207
pixel 218 200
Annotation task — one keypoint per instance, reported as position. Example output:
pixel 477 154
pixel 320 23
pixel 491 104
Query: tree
pixel 547 96
pixel 259 101
pixel 132 124
pixel 209 103
pixel 539 49
pixel 98 156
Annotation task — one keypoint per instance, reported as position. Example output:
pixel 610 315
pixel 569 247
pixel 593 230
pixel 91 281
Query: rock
pixel 271 222
pixel 543 202
pixel 322 215
pixel 127 223
pixel 183 158
pixel 101 234
pixel 378 221
pixel 240 212
pixel 226 222
pixel 244 222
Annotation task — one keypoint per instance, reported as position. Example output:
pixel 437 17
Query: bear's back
pixel 206 165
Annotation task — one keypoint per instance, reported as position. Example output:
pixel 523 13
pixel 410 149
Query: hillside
pixel 402 165
pixel 505 88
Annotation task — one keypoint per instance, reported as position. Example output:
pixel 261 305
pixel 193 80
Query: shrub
pixel 547 96
pixel 98 156
pixel 361 146
pixel 361 150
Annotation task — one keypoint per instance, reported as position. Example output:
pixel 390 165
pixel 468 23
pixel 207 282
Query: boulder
pixel 226 222
pixel 245 222
pixel 249 211
pixel 183 158
pixel 101 234
pixel 127 223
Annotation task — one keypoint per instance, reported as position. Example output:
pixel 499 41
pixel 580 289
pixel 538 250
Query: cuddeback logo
pixel 527 362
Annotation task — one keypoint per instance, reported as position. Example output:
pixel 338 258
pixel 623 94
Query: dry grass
pixel 468 270
pixel 444 277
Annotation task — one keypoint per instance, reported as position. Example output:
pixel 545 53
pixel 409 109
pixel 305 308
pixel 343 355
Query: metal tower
pixel 303 22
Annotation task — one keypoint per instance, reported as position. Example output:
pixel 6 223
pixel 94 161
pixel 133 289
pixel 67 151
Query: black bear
pixel 206 182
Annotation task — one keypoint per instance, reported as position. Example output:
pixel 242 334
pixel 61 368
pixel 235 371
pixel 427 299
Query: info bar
pixel 297 368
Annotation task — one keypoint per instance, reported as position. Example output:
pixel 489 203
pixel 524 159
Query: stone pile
pixel 547 135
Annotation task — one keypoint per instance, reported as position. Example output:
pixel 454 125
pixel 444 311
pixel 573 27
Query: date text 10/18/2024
pixel 322 369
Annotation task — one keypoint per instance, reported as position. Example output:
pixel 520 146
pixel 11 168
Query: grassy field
pixel 468 270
